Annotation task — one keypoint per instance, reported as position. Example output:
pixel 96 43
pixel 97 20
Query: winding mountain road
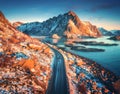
pixel 58 83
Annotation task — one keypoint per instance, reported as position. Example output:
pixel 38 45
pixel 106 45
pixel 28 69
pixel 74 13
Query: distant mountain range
pixel 115 32
pixel 105 32
pixel 68 25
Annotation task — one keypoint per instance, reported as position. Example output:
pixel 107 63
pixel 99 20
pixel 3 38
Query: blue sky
pixel 103 13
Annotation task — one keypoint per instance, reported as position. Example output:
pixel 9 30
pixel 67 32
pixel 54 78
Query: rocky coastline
pixel 83 72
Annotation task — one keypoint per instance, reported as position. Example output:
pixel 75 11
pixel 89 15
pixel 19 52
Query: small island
pixel 94 43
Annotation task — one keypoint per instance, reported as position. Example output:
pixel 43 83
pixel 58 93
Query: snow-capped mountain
pixel 67 24
pixel 105 32
pixel 116 32
pixel 109 32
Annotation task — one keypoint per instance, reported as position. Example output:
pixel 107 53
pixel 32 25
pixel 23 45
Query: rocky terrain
pixel 16 24
pixel 68 25
pixel 24 61
pixel 87 77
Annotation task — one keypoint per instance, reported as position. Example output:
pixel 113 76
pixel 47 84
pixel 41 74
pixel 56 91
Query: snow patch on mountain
pixel 59 25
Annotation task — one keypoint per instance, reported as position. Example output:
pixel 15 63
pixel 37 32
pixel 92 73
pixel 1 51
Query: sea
pixel 109 59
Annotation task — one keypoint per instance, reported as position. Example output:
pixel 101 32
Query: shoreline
pixel 90 60
pixel 101 75
pixel 110 78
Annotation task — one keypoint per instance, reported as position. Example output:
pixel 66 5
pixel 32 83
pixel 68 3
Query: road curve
pixel 58 83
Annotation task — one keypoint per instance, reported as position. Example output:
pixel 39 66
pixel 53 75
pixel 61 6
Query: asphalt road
pixel 58 83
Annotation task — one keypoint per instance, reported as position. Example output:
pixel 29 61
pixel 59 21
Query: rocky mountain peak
pixel 71 13
pixel 67 24
pixel 2 18
pixel 76 20
pixel 1 15
pixel 71 29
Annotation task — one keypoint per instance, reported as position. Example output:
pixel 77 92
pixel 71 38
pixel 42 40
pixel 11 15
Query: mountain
pixel 109 32
pixel 22 59
pixel 116 32
pixel 105 32
pixel 16 24
pixel 116 35
pixel 3 19
pixel 67 24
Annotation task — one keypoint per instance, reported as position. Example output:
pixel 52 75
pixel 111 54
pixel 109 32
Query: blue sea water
pixel 109 59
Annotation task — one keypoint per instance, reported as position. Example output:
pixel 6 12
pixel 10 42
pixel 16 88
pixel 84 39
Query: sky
pixel 102 13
